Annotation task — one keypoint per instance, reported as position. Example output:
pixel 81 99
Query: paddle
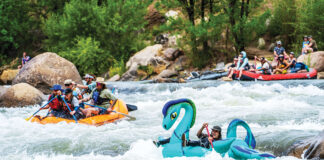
pixel 27 119
pixel 211 142
pixel 126 115
pixel 76 121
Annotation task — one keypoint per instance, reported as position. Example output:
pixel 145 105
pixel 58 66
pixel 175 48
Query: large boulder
pixel 45 70
pixel 153 16
pixel 261 43
pixel 145 57
pixel 8 75
pixel 320 75
pixel 114 78
pixel 21 94
pixel 171 53
pixel 313 60
pixel 167 73
pixel 309 148
pixel 3 90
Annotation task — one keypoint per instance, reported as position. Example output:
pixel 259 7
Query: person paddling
pixel 71 85
pixel 73 105
pixel 204 139
pixel 100 96
pixel 56 104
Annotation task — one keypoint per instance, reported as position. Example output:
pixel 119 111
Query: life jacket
pixel 282 65
pixel 56 104
pixel 69 103
pixel 97 99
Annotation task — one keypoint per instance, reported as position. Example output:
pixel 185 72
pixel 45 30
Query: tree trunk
pixel 202 14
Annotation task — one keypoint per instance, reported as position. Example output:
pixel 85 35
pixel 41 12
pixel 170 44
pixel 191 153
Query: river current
pixel 279 113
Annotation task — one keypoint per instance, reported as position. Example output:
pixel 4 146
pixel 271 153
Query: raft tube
pixel 98 120
pixel 251 76
pixel 209 76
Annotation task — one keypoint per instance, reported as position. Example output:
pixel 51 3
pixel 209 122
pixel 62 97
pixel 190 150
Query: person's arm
pixel 245 62
pixel 199 133
pixel 287 65
pixel 82 86
pixel 275 52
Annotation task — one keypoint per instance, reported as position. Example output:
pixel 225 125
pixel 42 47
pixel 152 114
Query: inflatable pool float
pixel 251 76
pixel 206 76
pixel 233 146
pixel 98 120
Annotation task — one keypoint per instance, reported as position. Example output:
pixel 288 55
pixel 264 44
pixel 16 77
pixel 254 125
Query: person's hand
pixel 80 101
pixel 59 93
pixel 255 57
pixel 109 109
pixel 210 139
pixel 72 112
pixel 205 125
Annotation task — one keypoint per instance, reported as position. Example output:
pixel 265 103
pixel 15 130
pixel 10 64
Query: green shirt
pixel 106 94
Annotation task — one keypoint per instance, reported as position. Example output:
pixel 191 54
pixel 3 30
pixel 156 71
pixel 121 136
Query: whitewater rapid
pixel 279 113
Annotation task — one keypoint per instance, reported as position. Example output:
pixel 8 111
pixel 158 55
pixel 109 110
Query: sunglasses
pixel 67 84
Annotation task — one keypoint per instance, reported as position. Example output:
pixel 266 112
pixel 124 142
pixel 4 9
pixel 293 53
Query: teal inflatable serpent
pixel 234 147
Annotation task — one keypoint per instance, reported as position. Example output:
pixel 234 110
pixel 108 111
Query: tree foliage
pixel 116 24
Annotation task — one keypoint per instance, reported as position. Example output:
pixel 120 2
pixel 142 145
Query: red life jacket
pixel 55 104
pixel 70 105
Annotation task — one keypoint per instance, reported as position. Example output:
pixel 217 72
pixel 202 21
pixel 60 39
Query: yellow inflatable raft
pixel 98 120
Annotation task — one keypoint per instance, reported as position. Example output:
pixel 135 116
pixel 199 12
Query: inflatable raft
pixel 207 76
pixel 251 76
pixel 98 120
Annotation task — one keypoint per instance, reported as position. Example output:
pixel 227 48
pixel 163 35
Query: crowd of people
pixel 69 102
pixel 282 63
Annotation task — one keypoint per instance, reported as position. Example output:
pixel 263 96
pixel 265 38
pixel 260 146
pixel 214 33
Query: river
pixel 279 113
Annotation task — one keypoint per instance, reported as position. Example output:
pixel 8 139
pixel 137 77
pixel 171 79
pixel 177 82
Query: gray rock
pixel 171 53
pixel 271 47
pixel 311 148
pixel 313 60
pixel 21 94
pixel 114 78
pixel 261 43
pixel 45 70
pixel 167 73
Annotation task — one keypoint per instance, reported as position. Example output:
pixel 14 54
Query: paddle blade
pixel 27 119
pixel 131 107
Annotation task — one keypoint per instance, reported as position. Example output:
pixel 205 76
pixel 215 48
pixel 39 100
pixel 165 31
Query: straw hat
pixel 100 80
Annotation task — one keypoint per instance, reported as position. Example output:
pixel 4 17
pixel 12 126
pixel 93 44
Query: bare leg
pixel 240 74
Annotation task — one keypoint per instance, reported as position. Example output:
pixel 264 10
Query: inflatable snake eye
pixel 173 115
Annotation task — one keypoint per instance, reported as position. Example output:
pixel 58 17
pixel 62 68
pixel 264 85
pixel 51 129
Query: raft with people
pixel 252 76
pixel 119 110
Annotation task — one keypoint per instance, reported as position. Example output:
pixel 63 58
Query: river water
pixel 279 113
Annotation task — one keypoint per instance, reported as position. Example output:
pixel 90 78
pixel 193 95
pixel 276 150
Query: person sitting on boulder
pixel 282 65
pixel 204 140
pixel 71 85
pixel 25 59
pixel 299 67
pixel 265 66
pixel 73 105
pixel 100 96
pixel 305 46
pixel 278 50
pixel 312 44
pixel 88 85
pixel 56 104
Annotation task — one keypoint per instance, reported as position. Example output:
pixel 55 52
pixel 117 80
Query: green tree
pixel 242 23
pixel 116 24
pixel 200 27
pixel 15 27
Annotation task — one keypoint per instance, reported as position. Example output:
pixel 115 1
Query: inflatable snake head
pixel 171 112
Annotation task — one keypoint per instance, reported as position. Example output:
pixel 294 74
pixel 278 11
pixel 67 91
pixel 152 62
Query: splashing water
pixel 279 113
